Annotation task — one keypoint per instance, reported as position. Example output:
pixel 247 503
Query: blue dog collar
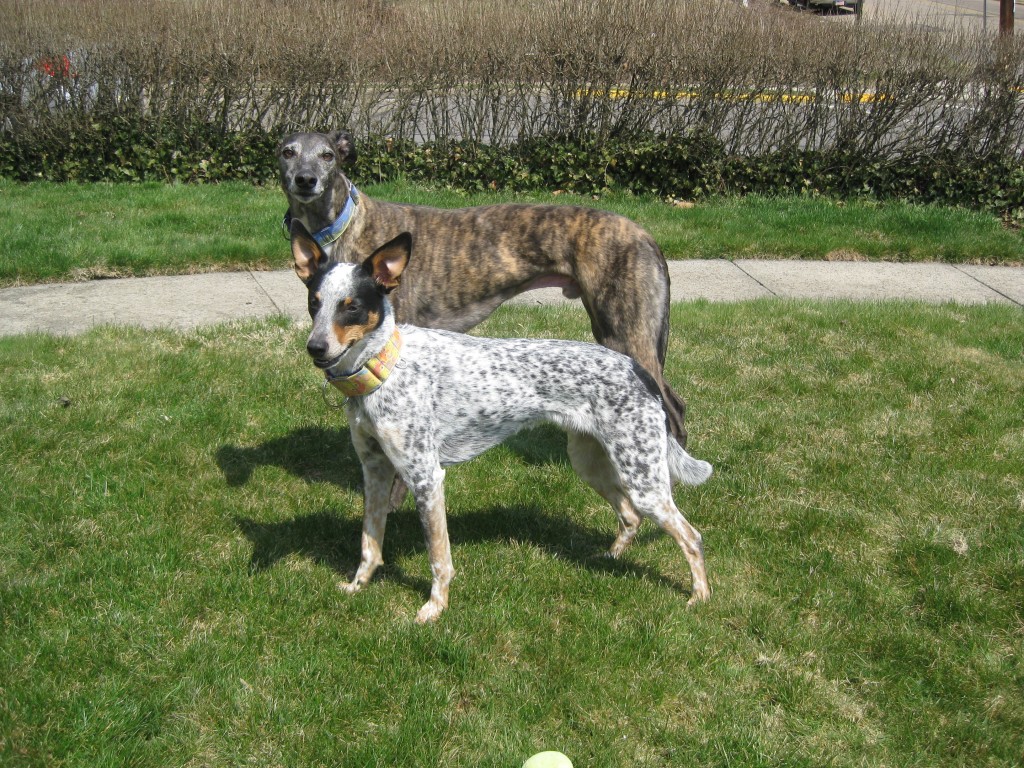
pixel 329 234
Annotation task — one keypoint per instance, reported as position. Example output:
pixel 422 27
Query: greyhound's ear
pixel 345 146
pixel 306 253
pixel 387 263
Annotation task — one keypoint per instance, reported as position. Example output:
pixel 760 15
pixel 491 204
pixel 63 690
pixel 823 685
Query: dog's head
pixel 310 164
pixel 347 302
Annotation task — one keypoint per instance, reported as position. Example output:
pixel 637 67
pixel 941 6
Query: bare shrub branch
pixel 759 81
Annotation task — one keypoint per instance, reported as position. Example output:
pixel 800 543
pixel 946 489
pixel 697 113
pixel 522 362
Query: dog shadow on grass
pixel 331 539
pixel 314 454
pixel 321 455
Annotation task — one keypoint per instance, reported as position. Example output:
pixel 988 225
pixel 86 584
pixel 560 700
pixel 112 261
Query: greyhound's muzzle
pixel 306 184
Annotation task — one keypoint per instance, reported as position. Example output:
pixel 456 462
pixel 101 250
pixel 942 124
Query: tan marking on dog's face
pixel 350 334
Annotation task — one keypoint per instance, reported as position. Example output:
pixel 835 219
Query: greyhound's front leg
pixel 378 479
pixel 430 503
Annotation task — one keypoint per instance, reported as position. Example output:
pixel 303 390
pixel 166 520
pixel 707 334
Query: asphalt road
pixel 945 13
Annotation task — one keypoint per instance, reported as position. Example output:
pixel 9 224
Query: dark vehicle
pixel 830 6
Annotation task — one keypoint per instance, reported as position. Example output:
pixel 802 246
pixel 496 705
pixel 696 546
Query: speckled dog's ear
pixel 344 145
pixel 387 263
pixel 306 253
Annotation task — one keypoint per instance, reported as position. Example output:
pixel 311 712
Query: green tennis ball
pixel 548 760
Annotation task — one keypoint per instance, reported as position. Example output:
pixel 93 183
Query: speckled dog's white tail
pixel 683 467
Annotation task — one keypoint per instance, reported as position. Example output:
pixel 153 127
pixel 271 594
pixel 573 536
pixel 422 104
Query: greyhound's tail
pixel 683 467
pixel 675 412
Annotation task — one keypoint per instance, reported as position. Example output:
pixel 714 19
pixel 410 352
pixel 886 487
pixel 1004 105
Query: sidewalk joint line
pixel 741 269
pixel 991 288
pixel 265 292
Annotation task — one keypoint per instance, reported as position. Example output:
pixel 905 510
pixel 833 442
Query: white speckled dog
pixel 420 400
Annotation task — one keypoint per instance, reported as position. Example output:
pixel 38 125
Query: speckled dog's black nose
pixel 317 348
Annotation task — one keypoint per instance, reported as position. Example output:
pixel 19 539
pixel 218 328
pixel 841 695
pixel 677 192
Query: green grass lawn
pixel 79 231
pixel 178 509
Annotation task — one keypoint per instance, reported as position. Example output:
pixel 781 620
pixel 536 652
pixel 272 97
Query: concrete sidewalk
pixel 195 300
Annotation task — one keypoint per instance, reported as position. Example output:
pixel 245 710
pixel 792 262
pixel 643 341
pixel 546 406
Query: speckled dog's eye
pixel 327 156
pixel 287 153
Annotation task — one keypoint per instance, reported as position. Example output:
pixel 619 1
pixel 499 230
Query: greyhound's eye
pixel 287 153
pixel 328 156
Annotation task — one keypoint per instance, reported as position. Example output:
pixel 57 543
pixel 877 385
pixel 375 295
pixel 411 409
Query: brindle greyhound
pixel 469 260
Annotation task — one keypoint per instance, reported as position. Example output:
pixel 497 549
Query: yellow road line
pixel 785 98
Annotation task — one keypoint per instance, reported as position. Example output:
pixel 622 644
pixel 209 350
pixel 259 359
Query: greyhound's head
pixel 310 166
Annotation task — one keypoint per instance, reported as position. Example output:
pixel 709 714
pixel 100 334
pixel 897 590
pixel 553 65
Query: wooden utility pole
pixel 1006 17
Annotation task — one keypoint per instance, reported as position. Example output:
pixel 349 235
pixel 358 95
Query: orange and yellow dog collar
pixel 374 373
